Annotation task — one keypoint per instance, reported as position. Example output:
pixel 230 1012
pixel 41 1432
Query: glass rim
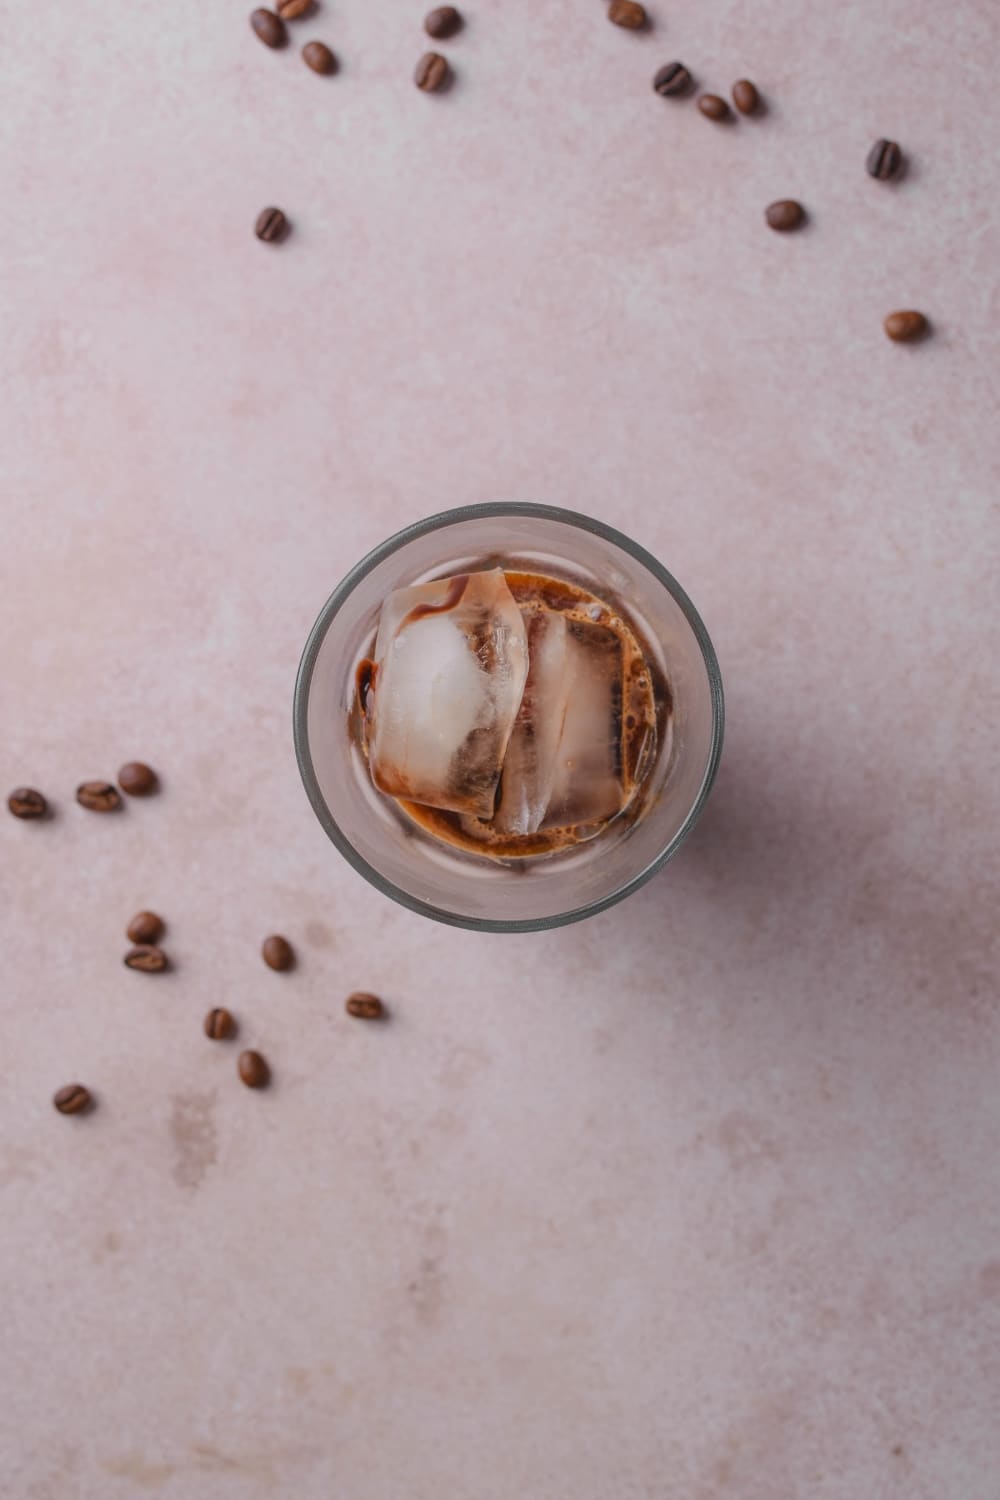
pixel 332 607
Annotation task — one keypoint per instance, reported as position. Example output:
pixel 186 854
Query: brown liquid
pixel 641 710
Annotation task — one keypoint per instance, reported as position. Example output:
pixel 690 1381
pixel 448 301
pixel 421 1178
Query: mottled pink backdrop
pixel 699 1200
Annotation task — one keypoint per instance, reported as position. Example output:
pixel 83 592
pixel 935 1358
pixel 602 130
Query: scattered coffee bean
pixel 905 326
pixel 627 13
pixel 431 72
pixel 291 10
pixel 253 1070
pixel 136 779
pixel 713 106
pixel 318 56
pixel 145 927
pixel 277 952
pixel 147 958
pixel 25 802
pixel 269 28
pixel 672 78
pixel 884 160
pixel 785 214
pixel 745 96
pixel 442 22
pixel 219 1024
pixel 365 1007
pixel 98 796
pixel 72 1100
pixel 271 225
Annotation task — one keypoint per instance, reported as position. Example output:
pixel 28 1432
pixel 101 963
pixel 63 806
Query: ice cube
pixel 587 785
pixel 530 766
pixel 564 762
pixel 451 659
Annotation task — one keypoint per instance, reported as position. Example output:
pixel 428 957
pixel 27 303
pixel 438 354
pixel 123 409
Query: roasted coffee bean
pixel 442 22
pixel 277 952
pixel 785 214
pixel 72 1100
pixel 884 160
pixel 147 958
pixel 253 1070
pixel 145 927
pixel 291 10
pixel 219 1024
pixel 431 72
pixel 745 96
pixel 25 802
pixel 271 225
pixel 365 1007
pixel 627 13
pixel 269 28
pixel 318 56
pixel 98 796
pixel 906 325
pixel 136 779
pixel 672 78
pixel 713 106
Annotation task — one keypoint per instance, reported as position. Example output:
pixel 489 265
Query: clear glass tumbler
pixel 517 895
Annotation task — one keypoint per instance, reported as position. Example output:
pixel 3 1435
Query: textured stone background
pixel 700 1199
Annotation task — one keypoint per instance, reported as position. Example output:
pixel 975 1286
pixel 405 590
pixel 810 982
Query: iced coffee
pixel 509 713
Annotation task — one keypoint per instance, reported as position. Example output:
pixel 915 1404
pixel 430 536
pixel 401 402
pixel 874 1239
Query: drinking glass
pixel 486 894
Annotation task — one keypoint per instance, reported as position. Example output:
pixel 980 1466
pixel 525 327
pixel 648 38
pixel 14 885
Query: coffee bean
pixel 672 78
pixel 318 56
pixel 713 106
pixel 269 28
pixel 431 72
pixel 25 802
pixel 785 214
pixel 98 796
pixel 443 22
pixel 219 1024
pixel 291 10
pixel 145 927
pixel 253 1070
pixel 72 1100
pixel 884 160
pixel 365 1007
pixel 147 958
pixel 277 952
pixel 271 225
pixel 137 779
pixel 905 326
pixel 627 13
pixel 745 96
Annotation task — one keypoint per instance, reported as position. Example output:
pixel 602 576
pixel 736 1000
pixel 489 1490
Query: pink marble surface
pixel 700 1199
